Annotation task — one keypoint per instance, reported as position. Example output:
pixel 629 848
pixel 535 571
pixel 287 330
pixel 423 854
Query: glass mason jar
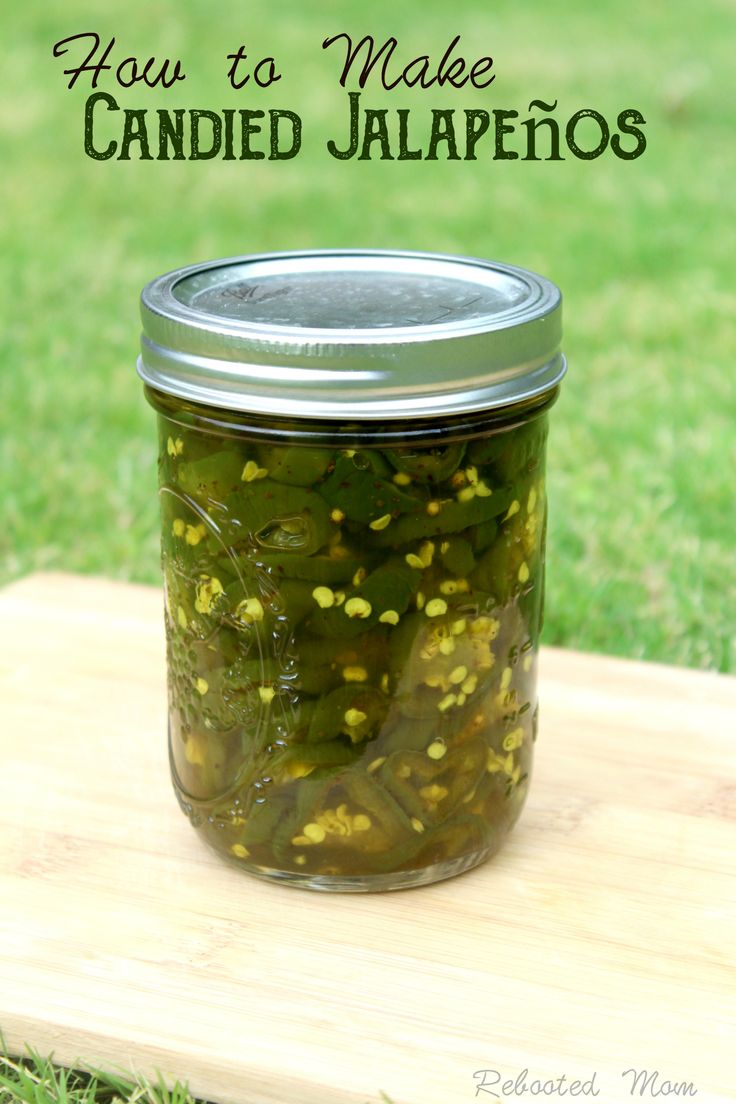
pixel 352 492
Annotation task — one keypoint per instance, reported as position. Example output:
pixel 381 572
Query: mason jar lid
pixel 352 334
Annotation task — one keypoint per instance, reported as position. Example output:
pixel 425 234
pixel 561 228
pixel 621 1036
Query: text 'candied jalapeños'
pixel 352 637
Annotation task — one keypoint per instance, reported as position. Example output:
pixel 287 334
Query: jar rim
pixel 336 334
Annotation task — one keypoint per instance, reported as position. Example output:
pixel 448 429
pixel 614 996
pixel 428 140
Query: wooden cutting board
pixel 600 940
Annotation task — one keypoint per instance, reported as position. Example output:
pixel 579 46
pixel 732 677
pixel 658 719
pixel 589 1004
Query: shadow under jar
pixel 352 490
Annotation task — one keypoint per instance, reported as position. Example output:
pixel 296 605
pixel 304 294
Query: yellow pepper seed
pixel 433 508
pixel 202 686
pixel 436 607
pixel 300 770
pixel 337 516
pixel 513 509
pixel 300 860
pixel 324 597
pixel 527 663
pixel 506 678
pixel 207 592
pixel 194 534
pixel 513 740
pixel 466 494
pixel 314 832
pixel 426 553
pixel 485 627
pixel 402 479
pixel 494 762
pixel 359 576
pixel 355 674
pixel 454 586
pixel 181 617
pixel 414 561
pixel 447 646
pixel 179 527
pixel 354 717
pixel 380 523
pixel 358 607
pixel 420 599
pixel 239 851
pixel 447 701
pixel 361 822
pixel 266 694
pixel 458 627
pixel 531 502
pixel 470 684
pixel 250 610
pixel 433 792
pixel 175 447
pixel 524 573
pixel 458 674
pixel 339 597
pixel 194 752
pixel 252 471
pixel 389 617
pixel 417 824
pixel 483 490
pixel 437 749
pixel 376 764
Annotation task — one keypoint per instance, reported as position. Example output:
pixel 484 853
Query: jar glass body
pixel 352 621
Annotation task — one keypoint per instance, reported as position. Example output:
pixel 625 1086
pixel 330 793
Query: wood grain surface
pixel 600 940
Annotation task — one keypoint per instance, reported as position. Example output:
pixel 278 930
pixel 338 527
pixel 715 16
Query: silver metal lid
pixel 352 334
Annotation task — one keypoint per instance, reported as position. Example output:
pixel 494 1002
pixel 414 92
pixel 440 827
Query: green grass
pixel 642 447
pixel 34 1079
